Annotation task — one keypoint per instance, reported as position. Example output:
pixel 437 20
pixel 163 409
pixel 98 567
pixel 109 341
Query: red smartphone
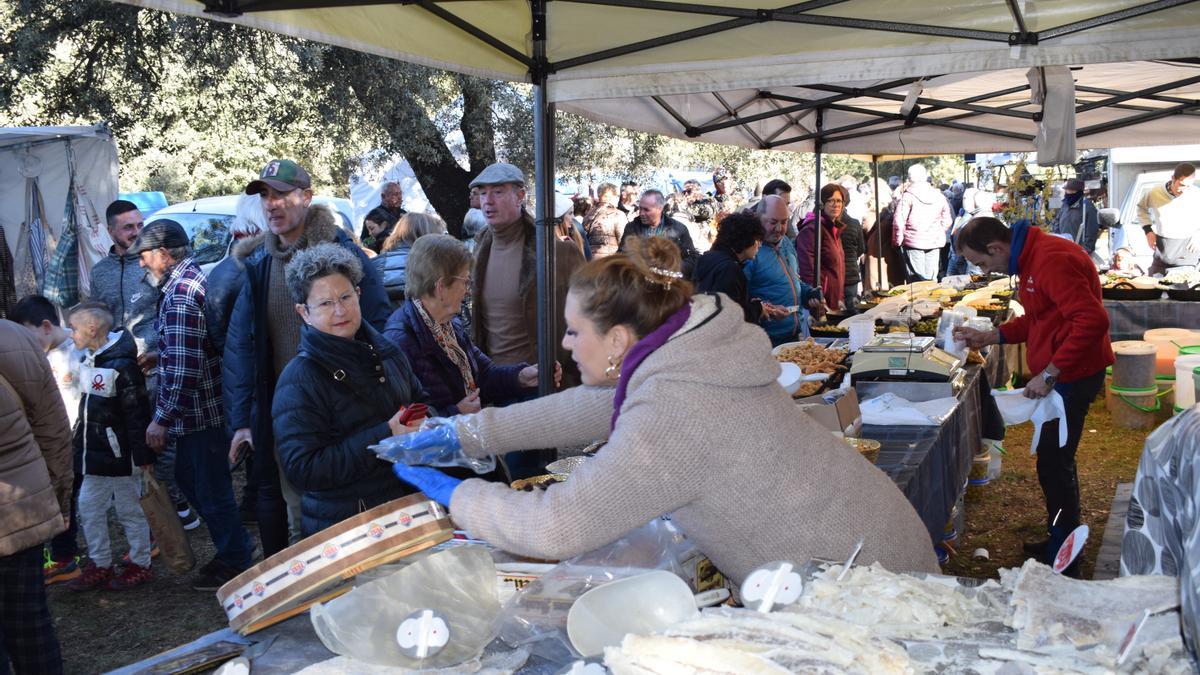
pixel 413 413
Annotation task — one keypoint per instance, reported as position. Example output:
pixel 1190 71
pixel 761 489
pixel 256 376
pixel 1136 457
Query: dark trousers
pixel 65 545
pixel 27 637
pixel 271 510
pixel 1055 465
pixel 202 472
pixel 850 298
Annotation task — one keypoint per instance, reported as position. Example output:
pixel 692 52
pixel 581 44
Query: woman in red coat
pixel 833 267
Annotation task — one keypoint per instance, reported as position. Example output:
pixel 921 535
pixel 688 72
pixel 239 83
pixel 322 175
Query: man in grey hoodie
pixel 120 283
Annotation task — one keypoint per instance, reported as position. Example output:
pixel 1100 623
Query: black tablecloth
pixel 930 464
pixel 1130 319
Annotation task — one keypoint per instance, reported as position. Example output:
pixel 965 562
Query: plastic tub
pixel 1133 408
pixel 1185 365
pixel 1196 383
pixel 1135 364
pixel 1168 341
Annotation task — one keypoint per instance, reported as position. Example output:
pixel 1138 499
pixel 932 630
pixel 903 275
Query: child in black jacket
pixel 110 447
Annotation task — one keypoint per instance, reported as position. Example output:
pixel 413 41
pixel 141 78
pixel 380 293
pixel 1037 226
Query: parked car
pixel 207 223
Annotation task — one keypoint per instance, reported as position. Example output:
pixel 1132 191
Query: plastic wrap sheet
pixel 1162 528
pixel 536 617
pixel 437 443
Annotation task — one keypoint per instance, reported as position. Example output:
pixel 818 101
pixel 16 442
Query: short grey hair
pixel 318 262
pixel 659 199
pixel 248 219
pixel 433 257
pixel 179 252
pixel 474 222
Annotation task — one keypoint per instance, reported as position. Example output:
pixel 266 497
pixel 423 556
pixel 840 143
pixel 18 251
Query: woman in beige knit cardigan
pixel 684 391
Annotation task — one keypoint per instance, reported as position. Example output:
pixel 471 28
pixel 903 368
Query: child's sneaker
pixel 133 575
pixel 58 571
pixel 92 577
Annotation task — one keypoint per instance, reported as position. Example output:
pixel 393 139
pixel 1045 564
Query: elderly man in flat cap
pixel 264 332
pixel 505 295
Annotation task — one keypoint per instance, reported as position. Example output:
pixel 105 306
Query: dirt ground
pixel 103 630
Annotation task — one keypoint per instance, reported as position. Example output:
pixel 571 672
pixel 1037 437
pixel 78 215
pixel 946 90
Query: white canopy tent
pixel 579 52
pixel 53 156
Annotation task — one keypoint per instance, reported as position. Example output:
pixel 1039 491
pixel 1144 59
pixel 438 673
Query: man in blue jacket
pixel 264 333
pixel 773 277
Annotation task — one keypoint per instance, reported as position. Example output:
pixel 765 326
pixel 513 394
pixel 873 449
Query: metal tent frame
pixel 538 68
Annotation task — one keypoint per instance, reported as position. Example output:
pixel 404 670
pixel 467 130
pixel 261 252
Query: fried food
pixel 813 358
pixel 987 305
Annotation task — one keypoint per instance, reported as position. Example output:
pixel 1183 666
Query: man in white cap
pixel 505 293
pixel 921 222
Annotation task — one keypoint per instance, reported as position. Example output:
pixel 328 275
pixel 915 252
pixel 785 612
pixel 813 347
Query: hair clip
pixel 667 273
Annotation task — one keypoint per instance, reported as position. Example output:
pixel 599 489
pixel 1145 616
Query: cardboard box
pixel 841 417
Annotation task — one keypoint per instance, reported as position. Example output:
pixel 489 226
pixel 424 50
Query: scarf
pixel 643 348
pixel 1072 198
pixel 443 333
pixel 1020 232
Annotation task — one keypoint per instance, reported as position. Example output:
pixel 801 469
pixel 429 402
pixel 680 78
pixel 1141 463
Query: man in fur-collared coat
pixel 264 332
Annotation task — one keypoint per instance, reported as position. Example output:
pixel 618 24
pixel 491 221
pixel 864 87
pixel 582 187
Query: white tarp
pixel 730 44
pixel 96 167
pixel 366 188
pixel 649 114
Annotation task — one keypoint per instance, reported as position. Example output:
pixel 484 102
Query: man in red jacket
pixel 1065 329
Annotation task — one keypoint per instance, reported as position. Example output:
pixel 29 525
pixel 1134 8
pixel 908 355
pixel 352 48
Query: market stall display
pixel 813 359
pixel 874 621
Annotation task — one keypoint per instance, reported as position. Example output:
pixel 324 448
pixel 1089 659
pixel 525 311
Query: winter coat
pixel 225 282
pixel 390 266
pixel 833 260
pixel 1069 219
pixel 35 445
pixel 324 423
pixel 670 229
pixel 114 411
pixel 772 277
pixel 120 282
pixel 718 271
pixel 1065 322
pixel 706 435
pixel 854 247
pixel 567 259
pixel 442 379
pixel 922 218
pixel 248 367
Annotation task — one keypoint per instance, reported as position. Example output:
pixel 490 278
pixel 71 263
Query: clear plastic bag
pixel 437 443
pixel 536 617
pixel 437 612
pixel 945 334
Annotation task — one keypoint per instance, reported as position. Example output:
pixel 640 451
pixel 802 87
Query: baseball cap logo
pixel 271 169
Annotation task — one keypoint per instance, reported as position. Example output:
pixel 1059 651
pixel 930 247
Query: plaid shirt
pixel 189 383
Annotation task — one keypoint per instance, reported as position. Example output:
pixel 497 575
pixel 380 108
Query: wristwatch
pixel 1049 379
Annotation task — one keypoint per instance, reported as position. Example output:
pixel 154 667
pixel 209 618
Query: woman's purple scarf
pixel 643 348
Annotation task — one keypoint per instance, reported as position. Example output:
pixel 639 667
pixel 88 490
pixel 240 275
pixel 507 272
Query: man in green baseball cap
pixel 264 332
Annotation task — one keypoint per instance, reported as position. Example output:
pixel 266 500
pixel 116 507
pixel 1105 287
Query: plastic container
pixel 1168 341
pixel 995 458
pixel 978 479
pixel 1185 365
pixel 1196 383
pixel 1166 395
pixel 1135 364
pixel 1133 408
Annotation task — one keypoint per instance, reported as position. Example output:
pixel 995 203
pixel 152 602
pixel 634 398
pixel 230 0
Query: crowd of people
pixel 307 344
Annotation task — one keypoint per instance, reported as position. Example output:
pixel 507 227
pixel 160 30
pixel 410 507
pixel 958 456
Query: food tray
pixel 1185 294
pixel 1126 291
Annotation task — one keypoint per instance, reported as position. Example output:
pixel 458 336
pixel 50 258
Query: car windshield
pixel 209 234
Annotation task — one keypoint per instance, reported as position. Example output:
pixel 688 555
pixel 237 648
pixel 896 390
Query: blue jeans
pixel 202 472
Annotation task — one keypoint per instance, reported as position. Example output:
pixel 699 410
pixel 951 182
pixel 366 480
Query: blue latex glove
pixel 435 444
pixel 435 484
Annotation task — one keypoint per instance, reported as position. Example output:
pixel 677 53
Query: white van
pixel 215 215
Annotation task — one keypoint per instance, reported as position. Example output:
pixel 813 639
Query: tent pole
pixel 543 153
pixel 878 225
pixel 817 205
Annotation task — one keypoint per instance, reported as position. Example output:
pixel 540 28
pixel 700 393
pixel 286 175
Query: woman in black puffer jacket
pixel 341 393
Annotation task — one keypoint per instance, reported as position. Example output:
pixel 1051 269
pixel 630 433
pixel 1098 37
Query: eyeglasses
pixel 465 280
pixel 326 306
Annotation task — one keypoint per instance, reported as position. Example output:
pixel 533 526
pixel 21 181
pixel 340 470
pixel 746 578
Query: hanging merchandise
pixel 94 241
pixel 41 242
pixel 61 283
pixel 1053 87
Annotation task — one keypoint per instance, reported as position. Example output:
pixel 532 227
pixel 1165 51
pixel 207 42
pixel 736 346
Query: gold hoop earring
pixel 613 371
